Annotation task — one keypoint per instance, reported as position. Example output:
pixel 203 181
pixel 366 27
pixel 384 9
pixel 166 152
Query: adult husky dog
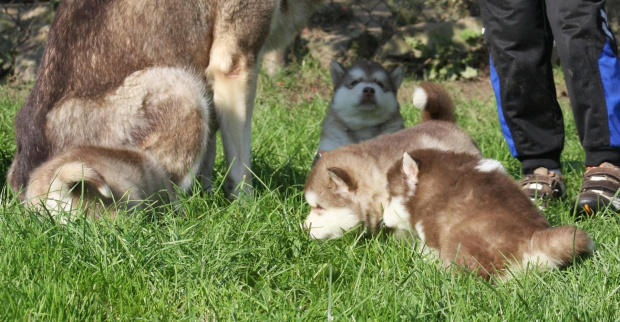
pixel 143 77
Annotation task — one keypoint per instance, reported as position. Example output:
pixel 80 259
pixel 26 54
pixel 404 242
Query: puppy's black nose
pixel 368 91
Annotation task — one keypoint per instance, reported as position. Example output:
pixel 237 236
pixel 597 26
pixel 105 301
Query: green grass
pixel 249 260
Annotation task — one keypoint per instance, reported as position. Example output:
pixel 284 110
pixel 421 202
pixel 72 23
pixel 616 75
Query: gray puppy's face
pixel 365 93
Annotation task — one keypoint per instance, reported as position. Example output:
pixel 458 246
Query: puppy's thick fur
pixel 364 104
pixel 474 215
pixel 348 186
pixel 152 77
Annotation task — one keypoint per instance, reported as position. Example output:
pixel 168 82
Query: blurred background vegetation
pixel 432 39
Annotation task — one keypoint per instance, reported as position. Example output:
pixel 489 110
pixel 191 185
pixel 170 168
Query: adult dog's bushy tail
pixel 558 246
pixel 434 101
pixel 93 178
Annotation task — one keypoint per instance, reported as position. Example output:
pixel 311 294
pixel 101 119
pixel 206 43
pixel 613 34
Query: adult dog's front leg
pixel 233 79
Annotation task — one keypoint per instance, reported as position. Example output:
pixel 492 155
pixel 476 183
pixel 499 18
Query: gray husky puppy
pixel 364 104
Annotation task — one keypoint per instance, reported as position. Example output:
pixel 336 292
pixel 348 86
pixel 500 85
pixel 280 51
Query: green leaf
pixel 469 72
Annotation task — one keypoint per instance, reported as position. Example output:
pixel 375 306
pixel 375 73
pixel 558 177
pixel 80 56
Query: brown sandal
pixel 599 189
pixel 544 185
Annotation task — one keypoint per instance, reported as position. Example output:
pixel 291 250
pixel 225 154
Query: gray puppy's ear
pixel 397 76
pixel 336 71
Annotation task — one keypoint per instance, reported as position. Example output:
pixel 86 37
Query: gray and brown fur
pixel 476 217
pixel 147 136
pixel 131 74
pixel 364 104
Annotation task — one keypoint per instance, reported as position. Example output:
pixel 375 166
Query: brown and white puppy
pixel 114 71
pixel 364 104
pixel 348 186
pixel 474 215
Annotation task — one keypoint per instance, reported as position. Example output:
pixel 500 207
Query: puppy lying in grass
pixel 474 215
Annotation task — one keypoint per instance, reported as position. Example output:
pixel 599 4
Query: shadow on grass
pixel 5 163
pixel 285 174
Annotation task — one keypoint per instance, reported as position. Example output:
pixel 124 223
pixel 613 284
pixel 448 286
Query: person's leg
pixel 588 52
pixel 589 56
pixel 520 43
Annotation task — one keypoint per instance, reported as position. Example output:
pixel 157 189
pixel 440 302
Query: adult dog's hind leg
pixel 175 130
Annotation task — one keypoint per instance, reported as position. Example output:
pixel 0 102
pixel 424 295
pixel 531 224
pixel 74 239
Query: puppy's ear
pixel 410 169
pixel 397 76
pixel 343 181
pixel 336 71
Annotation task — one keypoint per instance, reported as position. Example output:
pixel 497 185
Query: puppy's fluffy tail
pixel 434 101
pixel 557 247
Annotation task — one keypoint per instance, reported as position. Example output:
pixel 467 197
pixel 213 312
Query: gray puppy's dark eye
pixel 355 82
pixel 380 84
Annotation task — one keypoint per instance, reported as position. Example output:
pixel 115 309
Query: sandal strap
pixel 608 173
pixel 604 178
pixel 542 186
pixel 603 185
pixel 599 189
pixel 538 178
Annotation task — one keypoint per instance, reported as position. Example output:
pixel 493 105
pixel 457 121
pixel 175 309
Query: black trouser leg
pixel 520 43
pixel 588 52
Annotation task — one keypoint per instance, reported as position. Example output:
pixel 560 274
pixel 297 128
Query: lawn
pixel 248 259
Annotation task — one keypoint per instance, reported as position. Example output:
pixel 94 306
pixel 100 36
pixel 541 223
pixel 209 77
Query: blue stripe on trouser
pixel 610 75
pixel 500 111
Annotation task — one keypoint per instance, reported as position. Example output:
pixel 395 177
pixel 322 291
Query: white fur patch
pixel 347 104
pixel 420 230
pixel 490 165
pixel 330 223
pixel 420 98
pixel 380 76
pixel 396 216
pixel 357 73
pixel 311 198
pixel 539 260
